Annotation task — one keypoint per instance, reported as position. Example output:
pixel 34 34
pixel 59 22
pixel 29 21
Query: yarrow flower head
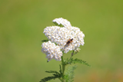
pixel 52 51
pixel 62 21
pixel 61 36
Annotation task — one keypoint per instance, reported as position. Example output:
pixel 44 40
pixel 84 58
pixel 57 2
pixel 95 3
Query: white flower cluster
pixel 62 21
pixel 52 51
pixel 60 35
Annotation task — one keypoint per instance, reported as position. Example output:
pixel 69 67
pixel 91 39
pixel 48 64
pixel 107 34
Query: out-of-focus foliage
pixel 21 34
pixel 69 73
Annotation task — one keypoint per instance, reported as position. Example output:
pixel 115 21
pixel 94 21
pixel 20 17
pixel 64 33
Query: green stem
pixel 72 54
pixel 63 69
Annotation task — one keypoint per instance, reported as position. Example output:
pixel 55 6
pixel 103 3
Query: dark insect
pixel 69 41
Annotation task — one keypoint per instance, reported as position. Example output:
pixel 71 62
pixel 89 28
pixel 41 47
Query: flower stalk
pixel 63 68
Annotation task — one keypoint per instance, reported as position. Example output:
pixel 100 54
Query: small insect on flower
pixel 69 41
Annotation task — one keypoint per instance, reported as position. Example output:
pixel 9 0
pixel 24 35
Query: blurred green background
pixel 21 31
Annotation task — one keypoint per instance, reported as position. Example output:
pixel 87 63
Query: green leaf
pixel 69 73
pixel 45 40
pixel 52 72
pixel 48 78
pixel 73 61
pixel 55 75
pixel 80 61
